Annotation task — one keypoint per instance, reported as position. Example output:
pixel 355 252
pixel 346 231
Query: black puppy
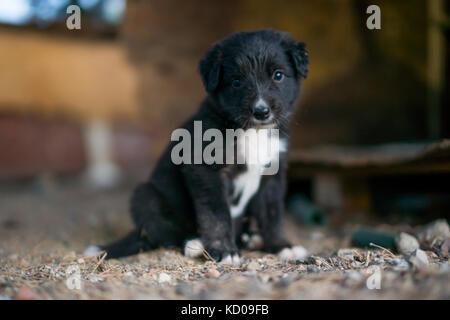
pixel 253 81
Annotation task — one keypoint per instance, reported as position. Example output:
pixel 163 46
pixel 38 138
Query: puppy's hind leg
pixel 156 226
pixel 161 224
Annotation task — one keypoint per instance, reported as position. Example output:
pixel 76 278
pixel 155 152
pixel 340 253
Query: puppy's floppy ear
pixel 210 67
pixel 299 56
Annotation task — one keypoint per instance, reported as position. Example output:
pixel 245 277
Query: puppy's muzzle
pixel 261 112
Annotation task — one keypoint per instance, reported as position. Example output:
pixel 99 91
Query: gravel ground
pixel 45 227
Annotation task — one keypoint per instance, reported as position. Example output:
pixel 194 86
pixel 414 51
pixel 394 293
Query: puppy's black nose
pixel 261 112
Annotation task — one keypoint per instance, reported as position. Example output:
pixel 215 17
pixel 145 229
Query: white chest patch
pixel 259 148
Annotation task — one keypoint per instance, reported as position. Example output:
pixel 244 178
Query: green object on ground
pixel 363 237
pixel 305 211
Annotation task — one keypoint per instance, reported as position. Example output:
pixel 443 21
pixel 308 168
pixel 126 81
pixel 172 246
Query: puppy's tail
pixel 132 243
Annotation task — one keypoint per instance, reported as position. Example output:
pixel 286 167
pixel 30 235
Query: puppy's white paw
pixel 253 242
pixel 193 248
pixel 293 253
pixel 234 260
pixel 226 260
pixel 91 251
pixel 256 242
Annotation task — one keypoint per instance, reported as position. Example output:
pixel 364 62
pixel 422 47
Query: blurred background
pixel 95 107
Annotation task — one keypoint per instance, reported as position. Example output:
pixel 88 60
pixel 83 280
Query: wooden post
pixel 102 171
pixel 436 66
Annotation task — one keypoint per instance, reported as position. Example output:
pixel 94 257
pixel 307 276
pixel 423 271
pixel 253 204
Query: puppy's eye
pixel 278 76
pixel 236 83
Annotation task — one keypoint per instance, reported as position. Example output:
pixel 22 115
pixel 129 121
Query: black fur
pixel 181 202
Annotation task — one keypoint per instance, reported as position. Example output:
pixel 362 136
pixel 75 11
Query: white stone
pixel 406 243
pixel 164 277
pixel 193 248
pixel 419 259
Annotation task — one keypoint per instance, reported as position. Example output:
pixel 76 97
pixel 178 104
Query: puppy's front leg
pixel 268 208
pixel 212 213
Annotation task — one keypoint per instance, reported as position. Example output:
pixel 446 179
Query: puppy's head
pixel 254 77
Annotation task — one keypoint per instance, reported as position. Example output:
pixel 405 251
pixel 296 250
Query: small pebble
pixel 346 254
pixel 314 260
pixel 400 264
pixel 94 279
pixel 311 268
pixel 253 266
pixel 212 273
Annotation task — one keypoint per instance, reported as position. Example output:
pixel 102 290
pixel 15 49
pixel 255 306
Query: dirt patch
pixel 42 234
